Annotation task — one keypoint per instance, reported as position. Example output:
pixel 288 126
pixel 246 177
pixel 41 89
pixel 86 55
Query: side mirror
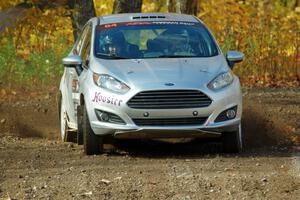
pixel 234 57
pixel 72 61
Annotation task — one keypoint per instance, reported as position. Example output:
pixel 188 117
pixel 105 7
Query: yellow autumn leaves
pixel 267 32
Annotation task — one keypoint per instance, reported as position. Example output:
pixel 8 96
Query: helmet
pixel 112 41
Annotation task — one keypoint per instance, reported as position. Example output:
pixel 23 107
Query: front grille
pixel 169 99
pixel 171 121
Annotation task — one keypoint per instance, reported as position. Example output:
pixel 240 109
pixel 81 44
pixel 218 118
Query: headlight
pixel 110 83
pixel 221 81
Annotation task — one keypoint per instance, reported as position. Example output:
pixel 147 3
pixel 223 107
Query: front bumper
pixel 116 104
pixel 167 132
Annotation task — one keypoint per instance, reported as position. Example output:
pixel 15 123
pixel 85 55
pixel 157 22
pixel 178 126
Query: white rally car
pixel 149 75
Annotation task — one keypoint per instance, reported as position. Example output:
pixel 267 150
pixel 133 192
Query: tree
pixel 171 5
pixel 183 6
pixel 82 11
pixel 297 4
pixel 127 6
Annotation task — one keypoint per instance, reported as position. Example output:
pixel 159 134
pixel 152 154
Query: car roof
pixel 135 17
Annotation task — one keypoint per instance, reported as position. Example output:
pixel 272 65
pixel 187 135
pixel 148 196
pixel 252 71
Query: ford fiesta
pixel 149 75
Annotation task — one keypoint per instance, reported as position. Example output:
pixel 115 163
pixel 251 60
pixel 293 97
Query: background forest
pixel 36 34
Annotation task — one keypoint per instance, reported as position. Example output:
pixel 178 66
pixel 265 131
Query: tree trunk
pixel 127 6
pixel 171 5
pixel 284 3
pixel 297 4
pixel 82 11
pixel 187 7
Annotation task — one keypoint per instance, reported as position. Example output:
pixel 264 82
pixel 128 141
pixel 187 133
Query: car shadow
pixel 191 149
pixel 170 148
pixel 263 136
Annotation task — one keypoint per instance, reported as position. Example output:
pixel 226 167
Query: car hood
pixel 182 72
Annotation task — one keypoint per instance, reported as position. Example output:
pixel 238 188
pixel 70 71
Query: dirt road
pixel 34 164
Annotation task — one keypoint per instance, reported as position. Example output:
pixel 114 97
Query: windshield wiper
pixel 111 56
pixel 175 56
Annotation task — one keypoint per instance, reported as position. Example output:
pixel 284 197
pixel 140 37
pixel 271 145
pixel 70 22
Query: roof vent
pixel 149 17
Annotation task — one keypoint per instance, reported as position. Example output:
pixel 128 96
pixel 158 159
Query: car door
pixel 71 96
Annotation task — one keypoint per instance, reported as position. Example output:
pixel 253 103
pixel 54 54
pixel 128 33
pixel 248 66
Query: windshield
pixel 158 39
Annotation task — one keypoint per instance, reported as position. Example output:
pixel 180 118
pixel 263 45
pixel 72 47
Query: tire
pixel 65 133
pixel 233 141
pixel 79 125
pixel 93 144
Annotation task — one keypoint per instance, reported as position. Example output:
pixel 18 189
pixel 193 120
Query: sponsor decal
pixel 175 22
pixel 98 97
pixel 137 23
pixel 110 25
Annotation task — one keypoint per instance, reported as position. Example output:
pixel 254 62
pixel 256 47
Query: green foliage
pixel 31 52
pixel 10 66
pixel 42 68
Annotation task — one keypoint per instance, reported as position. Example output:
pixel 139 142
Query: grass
pixel 40 68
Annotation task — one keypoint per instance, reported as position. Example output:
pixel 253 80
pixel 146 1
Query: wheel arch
pixel 58 103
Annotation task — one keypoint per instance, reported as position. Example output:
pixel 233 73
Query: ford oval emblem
pixel 169 84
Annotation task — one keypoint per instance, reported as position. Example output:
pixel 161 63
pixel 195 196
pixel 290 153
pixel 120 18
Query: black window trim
pixel 82 35
pixel 89 32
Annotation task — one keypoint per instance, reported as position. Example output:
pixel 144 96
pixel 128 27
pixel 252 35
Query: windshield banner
pixel 114 25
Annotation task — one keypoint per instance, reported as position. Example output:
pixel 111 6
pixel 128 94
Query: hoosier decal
pixel 106 99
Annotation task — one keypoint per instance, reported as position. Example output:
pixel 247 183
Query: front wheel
pixel 233 141
pixel 92 143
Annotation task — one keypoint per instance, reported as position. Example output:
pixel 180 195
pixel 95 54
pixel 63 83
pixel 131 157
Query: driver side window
pixel 80 41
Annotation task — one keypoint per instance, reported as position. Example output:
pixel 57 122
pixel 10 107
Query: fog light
pixel 104 116
pixel 230 113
